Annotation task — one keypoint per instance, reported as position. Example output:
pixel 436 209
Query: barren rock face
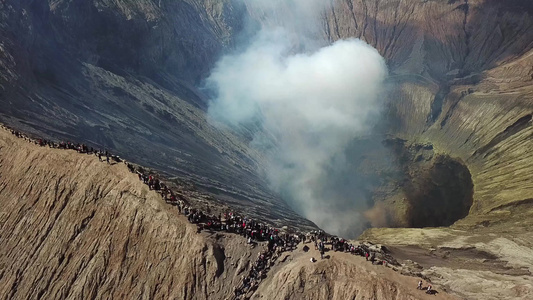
pixel 339 277
pixel 442 40
pixel 461 84
pixel 74 227
pixel 123 75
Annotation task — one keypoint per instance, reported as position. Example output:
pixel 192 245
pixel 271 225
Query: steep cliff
pixel 460 127
pixel 460 99
pixel 123 75
pixel 72 226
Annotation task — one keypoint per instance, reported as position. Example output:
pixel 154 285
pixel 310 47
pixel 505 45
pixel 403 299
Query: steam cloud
pixel 310 107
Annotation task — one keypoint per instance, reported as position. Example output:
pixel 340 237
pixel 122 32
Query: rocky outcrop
pixel 483 262
pixel 339 276
pixel 460 103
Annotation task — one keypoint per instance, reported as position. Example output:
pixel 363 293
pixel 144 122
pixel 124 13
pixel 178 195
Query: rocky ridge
pixel 460 84
pixel 460 101
pixel 101 233
pixel 123 75
pixel 460 90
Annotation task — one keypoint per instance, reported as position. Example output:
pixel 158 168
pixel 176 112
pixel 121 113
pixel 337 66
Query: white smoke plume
pixel 310 107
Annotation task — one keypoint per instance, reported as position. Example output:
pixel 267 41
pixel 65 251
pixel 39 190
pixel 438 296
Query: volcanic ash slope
pixel 74 227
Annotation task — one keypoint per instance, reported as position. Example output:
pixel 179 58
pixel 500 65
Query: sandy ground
pixel 480 263
pixel 342 276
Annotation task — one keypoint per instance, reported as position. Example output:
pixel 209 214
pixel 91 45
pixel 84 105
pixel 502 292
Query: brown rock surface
pixel 461 87
pixel 340 276
pixel 475 263
pixel 460 102
pixel 74 227
pixel 124 76
pixel 461 84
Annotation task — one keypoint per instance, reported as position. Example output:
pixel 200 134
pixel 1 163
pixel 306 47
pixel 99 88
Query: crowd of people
pixel 375 256
pixel 276 241
pixel 429 289
pixel 80 148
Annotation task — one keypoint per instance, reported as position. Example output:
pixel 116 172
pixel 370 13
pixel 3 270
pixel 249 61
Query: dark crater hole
pixel 439 194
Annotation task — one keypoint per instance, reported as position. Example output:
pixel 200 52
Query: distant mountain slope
pixel 460 87
pixel 121 75
pixel 124 75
